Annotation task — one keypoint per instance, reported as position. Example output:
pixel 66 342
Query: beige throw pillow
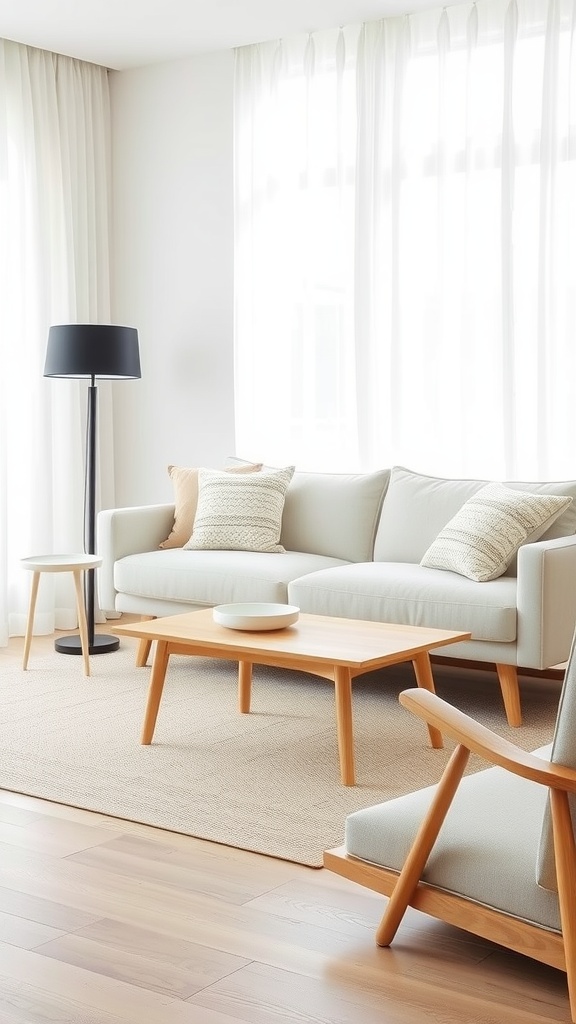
pixel 482 538
pixel 185 481
pixel 240 513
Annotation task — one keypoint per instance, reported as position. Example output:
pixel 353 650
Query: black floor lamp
pixel 91 351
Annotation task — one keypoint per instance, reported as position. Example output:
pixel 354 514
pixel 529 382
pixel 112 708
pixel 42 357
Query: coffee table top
pixel 324 639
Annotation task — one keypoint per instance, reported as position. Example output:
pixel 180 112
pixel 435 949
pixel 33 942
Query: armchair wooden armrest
pixel 480 740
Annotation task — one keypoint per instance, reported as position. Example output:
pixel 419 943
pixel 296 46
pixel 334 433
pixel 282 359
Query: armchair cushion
pixel 486 848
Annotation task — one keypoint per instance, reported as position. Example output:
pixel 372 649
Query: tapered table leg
pixel 30 622
pixel 343 694
pixel 158 675
pixel 82 624
pixel 425 679
pixel 142 653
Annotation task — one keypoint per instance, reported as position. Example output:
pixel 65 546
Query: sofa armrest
pixel 127 531
pixel 546 601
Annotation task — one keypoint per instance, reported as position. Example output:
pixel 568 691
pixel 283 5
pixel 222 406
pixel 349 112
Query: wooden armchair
pixel 494 852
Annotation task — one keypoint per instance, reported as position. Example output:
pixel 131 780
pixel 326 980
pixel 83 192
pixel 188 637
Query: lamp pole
pixel 98 643
pixel 90 510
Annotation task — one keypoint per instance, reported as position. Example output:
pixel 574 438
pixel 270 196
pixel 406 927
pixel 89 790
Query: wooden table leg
pixel 157 677
pixel 142 653
pixel 30 621
pixel 82 624
pixel 343 693
pixel 144 645
pixel 425 679
pixel 244 686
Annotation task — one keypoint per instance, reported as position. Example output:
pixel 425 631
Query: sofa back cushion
pixel 334 514
pixel 417 507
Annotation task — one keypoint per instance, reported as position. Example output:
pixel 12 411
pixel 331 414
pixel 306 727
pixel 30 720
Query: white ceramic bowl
pixel 255 616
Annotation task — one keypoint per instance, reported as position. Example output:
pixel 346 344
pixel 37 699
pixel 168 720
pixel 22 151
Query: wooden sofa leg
pixel 508 679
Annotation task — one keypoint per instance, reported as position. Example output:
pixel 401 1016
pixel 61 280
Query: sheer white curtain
pixel 54 154
pixel 406 243
pixel 295 139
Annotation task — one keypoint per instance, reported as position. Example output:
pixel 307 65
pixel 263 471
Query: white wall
pixel 172 269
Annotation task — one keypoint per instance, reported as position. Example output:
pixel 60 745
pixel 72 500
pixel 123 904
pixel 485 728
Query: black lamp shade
pixel 93 350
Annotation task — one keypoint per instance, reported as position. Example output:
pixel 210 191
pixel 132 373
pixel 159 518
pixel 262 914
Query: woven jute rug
pixel 268 781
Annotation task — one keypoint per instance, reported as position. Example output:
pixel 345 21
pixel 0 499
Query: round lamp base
pixel 103 644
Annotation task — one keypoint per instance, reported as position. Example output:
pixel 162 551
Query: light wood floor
pixel 106 922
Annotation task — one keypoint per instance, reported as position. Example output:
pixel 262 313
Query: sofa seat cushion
pixel 411 595
pixel 495 818
pixel 213 577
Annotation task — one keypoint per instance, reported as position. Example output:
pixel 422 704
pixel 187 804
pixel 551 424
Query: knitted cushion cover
pixel 482 538
pixel 240 513
pixel 185 482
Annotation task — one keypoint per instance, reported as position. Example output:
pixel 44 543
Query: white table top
pixel 61 563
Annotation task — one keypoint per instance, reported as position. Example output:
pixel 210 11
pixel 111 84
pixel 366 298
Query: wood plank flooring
pixel 104 921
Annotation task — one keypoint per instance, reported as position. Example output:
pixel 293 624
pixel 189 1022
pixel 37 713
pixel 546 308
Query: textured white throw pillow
pixel 240 513
pixel 482 538
pixel 185 481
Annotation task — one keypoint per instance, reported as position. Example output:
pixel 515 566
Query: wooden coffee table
pixel 336 649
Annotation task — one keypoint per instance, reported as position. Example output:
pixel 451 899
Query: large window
pixel 406 244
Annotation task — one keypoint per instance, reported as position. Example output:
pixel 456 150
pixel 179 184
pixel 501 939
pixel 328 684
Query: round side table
pixel 76 564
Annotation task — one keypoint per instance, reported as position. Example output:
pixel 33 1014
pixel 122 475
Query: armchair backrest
pixel 563 752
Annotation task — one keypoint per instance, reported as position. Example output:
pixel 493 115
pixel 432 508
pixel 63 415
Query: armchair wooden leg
pixel 508 679
pixel 565 858
pixel 416 860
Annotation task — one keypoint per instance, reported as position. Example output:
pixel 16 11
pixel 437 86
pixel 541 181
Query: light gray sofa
pixel 353 548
